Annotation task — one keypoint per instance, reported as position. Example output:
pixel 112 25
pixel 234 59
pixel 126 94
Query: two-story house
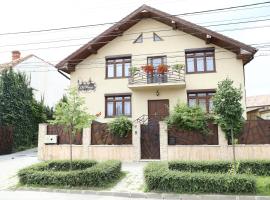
pixel 150 37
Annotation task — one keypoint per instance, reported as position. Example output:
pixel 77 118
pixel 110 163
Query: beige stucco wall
pixel 173 45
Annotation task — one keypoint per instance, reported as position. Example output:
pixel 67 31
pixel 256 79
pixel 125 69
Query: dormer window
pixel 139 39
pixel 156 37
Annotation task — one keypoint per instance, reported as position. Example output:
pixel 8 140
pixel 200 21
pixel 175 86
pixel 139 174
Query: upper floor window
pixel 202 99
pixel 118 105
pixel 156 37
pixel 200 60
pixel 139 39
pixel 156 61
pixel 118 67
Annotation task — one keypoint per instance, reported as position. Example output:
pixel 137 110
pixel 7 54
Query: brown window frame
pixel 207 97
pixel 123 100
pixel 206 53
pixel 164 59
pixel 114 62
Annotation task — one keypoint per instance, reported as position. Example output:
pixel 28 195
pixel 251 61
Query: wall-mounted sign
pixel 86 86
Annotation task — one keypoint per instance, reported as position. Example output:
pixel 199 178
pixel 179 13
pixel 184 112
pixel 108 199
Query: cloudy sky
pixel 19 16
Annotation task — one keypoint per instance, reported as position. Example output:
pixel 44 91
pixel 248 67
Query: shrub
pixel 159 177
pixel 255 167
pixel 84 173
pixel 120 126
pixel 188 118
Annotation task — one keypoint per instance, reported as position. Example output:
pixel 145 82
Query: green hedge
pixel 159 177
pixel 84 173
pixel 255 167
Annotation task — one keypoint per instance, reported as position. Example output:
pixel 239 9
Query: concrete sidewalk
pixel 12 163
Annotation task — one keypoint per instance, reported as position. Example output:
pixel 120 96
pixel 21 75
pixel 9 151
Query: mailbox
pixel 51 139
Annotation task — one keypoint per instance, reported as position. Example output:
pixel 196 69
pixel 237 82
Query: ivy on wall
pixel 19 109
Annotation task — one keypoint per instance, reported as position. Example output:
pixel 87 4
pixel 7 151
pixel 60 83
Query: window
pixel 139 39
pixel 156 37
pixel 200 60
pixel 202 99
pixel 156 61
pixel 118 67
pixel 118 105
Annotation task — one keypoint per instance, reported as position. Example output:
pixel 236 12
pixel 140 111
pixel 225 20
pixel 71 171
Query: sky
pixel 26 15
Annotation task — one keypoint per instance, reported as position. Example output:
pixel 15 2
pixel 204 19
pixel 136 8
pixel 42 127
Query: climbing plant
pixel 19 109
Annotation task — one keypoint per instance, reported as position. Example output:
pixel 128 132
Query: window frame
pixel 163 58
pixel 123 100
pixel 154 34
pixel 196 97
pixel 114 63
pixel 205 51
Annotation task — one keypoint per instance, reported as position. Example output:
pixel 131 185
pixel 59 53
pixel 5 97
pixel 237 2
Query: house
pixel 103 70
pixel 43 77
pixel 258 107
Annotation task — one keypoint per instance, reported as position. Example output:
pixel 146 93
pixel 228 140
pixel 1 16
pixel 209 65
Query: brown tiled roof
pixel 261 100
pixel 69 63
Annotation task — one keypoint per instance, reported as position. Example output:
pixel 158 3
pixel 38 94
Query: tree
pixel 228 108
pixel 19 109
pixel 72 116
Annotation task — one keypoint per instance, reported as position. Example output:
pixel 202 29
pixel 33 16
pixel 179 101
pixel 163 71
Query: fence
pixel 255 132
pixel 6 140
pixel 101 136
pixel 182 137
pixel 63 136
pixel 97 143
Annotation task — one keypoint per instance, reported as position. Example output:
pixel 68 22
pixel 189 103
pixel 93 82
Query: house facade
pixel 258 107
pixel 134 69
pixel 42 76
pixel 155 38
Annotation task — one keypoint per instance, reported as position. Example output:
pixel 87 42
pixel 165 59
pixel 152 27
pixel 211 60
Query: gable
pixel 210 37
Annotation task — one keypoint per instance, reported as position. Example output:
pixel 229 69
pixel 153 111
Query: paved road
pixel 30 195
pixel 10 164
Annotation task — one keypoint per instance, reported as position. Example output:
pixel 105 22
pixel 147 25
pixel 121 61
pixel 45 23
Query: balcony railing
pixel 171 76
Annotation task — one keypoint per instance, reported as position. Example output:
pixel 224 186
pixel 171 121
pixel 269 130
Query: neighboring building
pixel 258 107
pixel 151 37
pixel 43 77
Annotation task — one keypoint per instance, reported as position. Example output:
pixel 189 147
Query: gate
pixel 150 144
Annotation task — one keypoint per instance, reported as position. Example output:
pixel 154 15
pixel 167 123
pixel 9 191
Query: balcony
pixel 169 79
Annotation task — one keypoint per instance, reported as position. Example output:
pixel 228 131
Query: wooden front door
pixel 150 144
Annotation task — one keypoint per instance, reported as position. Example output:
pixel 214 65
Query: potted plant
pixel 162 69
pixel 133 71
pixel 149 69
pixel 178 68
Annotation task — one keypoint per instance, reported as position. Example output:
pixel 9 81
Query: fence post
pixel 136 137
pixel 163 135
pixel 222 141
pixel 86 141
pixel 42 131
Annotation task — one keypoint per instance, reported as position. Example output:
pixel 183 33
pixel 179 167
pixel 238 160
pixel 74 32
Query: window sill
pixel 201 72
pixel 107 78
pixel 108 117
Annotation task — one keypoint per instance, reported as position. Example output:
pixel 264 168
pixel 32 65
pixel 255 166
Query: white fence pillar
pixel 136 140
pixel 42 131
pixel 222 141
pixel 86 141
pixel 163 135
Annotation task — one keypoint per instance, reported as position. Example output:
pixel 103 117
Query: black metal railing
pixel 171 76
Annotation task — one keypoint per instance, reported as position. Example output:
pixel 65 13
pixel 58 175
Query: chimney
pixel 16 55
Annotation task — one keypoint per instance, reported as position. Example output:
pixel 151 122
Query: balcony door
pixel 155 62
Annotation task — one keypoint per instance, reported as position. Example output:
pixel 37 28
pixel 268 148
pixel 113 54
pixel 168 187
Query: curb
pixel 149 195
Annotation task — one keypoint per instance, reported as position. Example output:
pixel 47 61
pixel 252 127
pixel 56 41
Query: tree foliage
pixel 72 115
pixel 228 107
pixel 188 118
pixel 19 109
